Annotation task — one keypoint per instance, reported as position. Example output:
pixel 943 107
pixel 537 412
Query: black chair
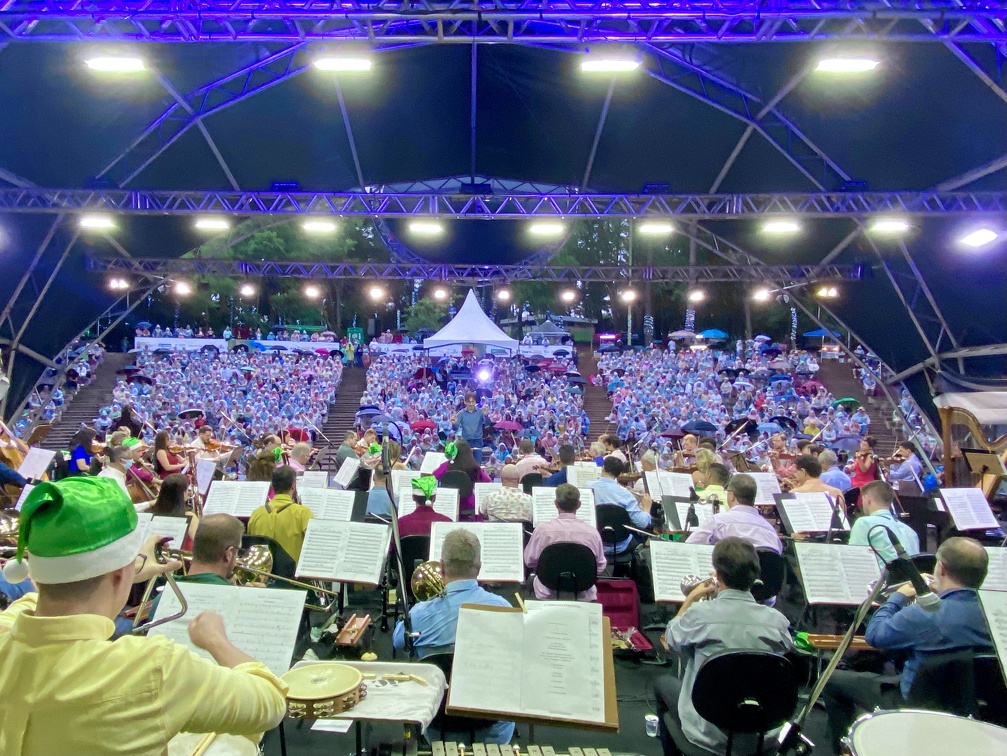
pixel 415 551
pixel 284 565
pixel 449 723
pixel 945 682
pixel 925 563
pixel 852 497
pixel 567 566
pixel 612 521
pixel 991 690
pixel 530 481
pixel 458 480
pixel 772 576
pixel 742 693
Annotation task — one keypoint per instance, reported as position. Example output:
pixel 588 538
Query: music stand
pixel 988 466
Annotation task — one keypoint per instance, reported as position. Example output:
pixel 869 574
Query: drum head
pixel 916 733
pixel 185 743
pixel 315 682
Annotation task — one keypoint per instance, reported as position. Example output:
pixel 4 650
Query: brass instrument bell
pixel 258 557
pixel 9 527
pixel 428 581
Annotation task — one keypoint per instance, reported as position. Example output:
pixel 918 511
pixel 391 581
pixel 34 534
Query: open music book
pixel 165 527
pixel 262 622
pixel 313 479
pixel 402 481
pixel 352 552
pixel 502 548
pixel 543 505
pixel 672 484
pixel 431 461
pixel 328 503
pixel 552 663
pixel 35 463
pixel 233 497
pixel 205 469
pixel 445 503
pixel 969 509
pixel 996 576
pixel 581 475
pixel 482 490
pixel 767 485
pixel 809 512
pixel 676 511
pixel 671 562
pixel 836 573
pixel 346 472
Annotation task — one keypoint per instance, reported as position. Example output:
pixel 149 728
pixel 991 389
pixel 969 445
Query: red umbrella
pixel 556 368
pixel 421 425
pixel 508 425
pixel 423 372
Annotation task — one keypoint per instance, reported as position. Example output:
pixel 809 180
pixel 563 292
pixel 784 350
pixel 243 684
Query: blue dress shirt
pixel 837 479
pixel 608 491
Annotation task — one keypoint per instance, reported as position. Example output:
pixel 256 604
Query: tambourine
pixel 318 691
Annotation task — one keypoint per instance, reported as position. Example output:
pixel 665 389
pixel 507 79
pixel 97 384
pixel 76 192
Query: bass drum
pixel 921 733
pixel 185 743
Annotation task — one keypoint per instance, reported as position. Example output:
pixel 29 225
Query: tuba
pixel 427 581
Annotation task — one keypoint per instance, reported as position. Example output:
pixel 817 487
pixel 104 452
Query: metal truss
pixel 988 350
pixel 494 21
pixel 499 207
pixel 432 271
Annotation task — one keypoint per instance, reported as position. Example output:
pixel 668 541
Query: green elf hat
pixel 74 529
pixel 451 450
pixel 132 442
pixel 426 485
pixel 374 449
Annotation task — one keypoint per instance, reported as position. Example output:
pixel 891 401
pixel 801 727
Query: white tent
pixel 471 326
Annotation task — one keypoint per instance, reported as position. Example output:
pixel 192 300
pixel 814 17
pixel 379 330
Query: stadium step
pixel 341 416
pixel 84 407
pixel 839 379
pixel 596 401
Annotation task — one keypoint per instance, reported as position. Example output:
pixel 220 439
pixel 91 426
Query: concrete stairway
pixel 596 401
pixel 340 417
pixel 841 382
pixel 83 408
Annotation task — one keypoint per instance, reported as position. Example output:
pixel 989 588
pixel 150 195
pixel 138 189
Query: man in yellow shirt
pixel 282 519
pixel 66 688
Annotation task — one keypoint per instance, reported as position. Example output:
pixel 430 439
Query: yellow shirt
pixel 283 521
pixel 67 689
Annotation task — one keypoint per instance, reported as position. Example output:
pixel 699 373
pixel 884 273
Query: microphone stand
pixel 402 595
pixel 836 523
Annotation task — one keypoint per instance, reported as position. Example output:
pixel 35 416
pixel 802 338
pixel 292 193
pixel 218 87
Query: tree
pixel 426 313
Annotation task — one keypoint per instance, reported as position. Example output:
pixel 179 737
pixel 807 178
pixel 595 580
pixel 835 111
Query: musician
pixel 608 491
pixel 470 424
pixel 510 503
pixel 530 460
pixel 906 465
pixel 283 519
pixel 138 470
pixel 348 448
pixel 687 454
pixel 419 521
pixel 566 528
pixel 877 497
pixel 81 451
pixel 461 458
pixel 378 501
pixel 66 688
pixel 202 444
pixel 165 461
pixel 127 419
pixel 717 476
pixel 741 519
pixel 10 477
pixel 807 474
pixel 118 460
pixel 612 445
pixel 567 457
pixel 648 463
pixel 957 624
pixel 731 622
pixel 435 622
pixel 864 466
pixel 704 458
pixel 215 550
pixel 831 474
pixel 299 456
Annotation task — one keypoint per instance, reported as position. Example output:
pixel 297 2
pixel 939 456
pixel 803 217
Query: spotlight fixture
pixel 118 284
pixel 97 222
pixel 828 292
pixel 504 295
pixel 608 64
pixel 212 224
pixel 319 226
pixel 376 293
pixel 345 64
pixel 628 296
pixel 247 290
pixel 782 226
pixel 183 288
pixel 440 293
pixel 655 228
pixel 115 64
pixel 890 226
pixel 762 295
pixel 696 295
pixel 568 296
pixel 484 375
pixel 979 238
pixel 426 228
pixel 546 228
pixel 312 292
pixel 846 65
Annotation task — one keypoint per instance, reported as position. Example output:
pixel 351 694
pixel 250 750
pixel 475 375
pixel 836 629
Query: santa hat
pixel 74 529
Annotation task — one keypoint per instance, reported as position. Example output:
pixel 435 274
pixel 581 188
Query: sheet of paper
pixel 431 461
pixel 675 484
pixel 809 512
pixel 671 562
pixel 835 573
pixel 994 604
pixel 581 475
pixel 996 576
pixel 328 503
pixel 560 653
pixel 445 503
pixel 402 481
pixel 767 486
pixel 652 482
pixel 332 725
pixel 205 468
pixel 24 495
pixel 313 479
pixel 165 527
pixel 703 513
pixel 352 552
pixel 262 622
pixel 236 497
pixel 346 472
pixel 502 545
pixel 35 463
pixel 543 506
pixel 969 509
pixel 482 490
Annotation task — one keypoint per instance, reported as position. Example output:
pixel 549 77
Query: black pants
pixel 666 692
pixel 849 693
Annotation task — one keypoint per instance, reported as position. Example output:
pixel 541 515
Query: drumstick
pixel 203 744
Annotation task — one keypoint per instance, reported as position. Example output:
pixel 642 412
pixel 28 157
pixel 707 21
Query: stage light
pixel 828 292
pixel 312 292
pixel 979 238
pixel 628 296
pixel 319 226
pixel 762 295
pixel 846 65
pixel 568 296
pixel 655 228
pixel 426 228
pixel 504 295
pixel 247 290
pixel 696 295
pixel 781 227
pixel 546 229
pixel 345 64
pixel 96 222
pixel 376 293
pixel 890 226
pixel 118 284
pixel 212 224
pixel 115 64
pixel 484 375
pixel 183 289
pixel 608 64
pixel 440 293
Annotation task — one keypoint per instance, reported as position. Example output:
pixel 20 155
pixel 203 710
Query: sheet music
pixel 502 548
pixel 346 472
pixel 402 481
pixel 328 503
pixel 675 484
pixel 543 506
pixel 24 495
pixel 994 604
pixel 836 573
pixel 445 503
pixel 313 479
pixel 671 562
pixel 561 669
pixel 767 485
pixel 352 552
pixel 431 461
pixel 165 527
pixel 205 468
pixel 581 475
pixel 996 577
pixel 482 490
pixel 809 512
pixel 703 512
pixel 969 509
pixel 35 463
pixel 262 622
pixel 236 497
pixel 652 481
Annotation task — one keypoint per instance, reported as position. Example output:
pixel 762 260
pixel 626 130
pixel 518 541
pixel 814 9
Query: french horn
pixel 427 581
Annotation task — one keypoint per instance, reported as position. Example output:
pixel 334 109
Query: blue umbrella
pixel 769 428
pixel 713 333
pixel 369 412
pixel 701 427
pixel 849 443
pixel 780 377
pixel 820 333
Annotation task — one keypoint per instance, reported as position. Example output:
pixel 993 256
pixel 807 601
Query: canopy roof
pixel 471 326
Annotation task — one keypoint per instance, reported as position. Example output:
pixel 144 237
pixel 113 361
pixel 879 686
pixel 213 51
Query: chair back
pixel 612 521
pixel 530 481
pixel 448 723
pixel 458 480
pixel 945 682
pixel 745 692
pixel 283 564
pixel 772 575
pixel 569 567
pixel 925 563
pixel 415 551
pixel 991 690
pixel 851 496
